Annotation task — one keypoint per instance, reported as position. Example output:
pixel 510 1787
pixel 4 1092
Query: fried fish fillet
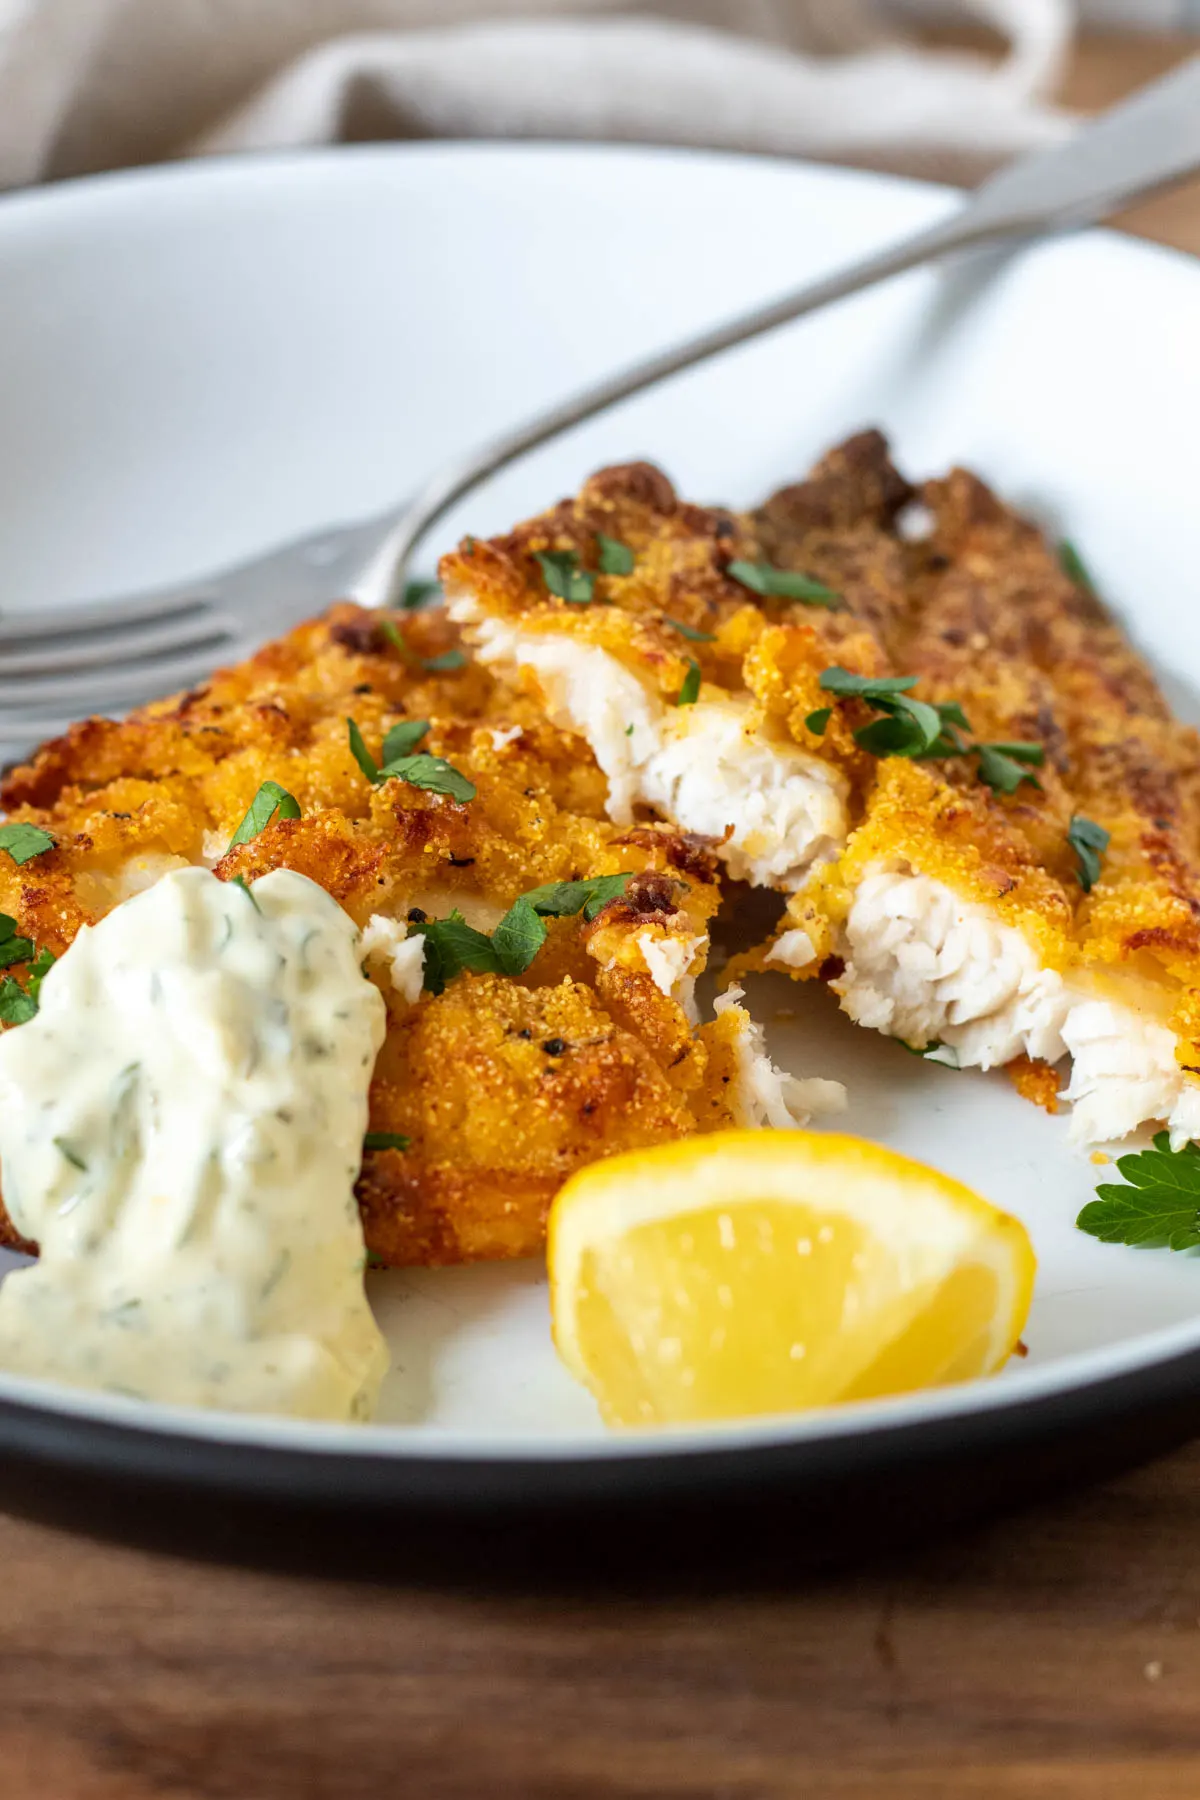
pixel 941 909
pixel 502 1085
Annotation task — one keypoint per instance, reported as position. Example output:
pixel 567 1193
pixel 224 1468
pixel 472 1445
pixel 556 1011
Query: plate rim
pixel 93 1432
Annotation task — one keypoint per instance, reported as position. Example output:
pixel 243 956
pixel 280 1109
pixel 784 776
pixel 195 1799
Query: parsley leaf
pixel 418 591
pixel 565 578
pixel 818 720
pixel 449 659
pixel 385 1140
pixel 689 693
pixel 403 739
pixel 1088 840
pixel 1000 765
pixel 13 948
pixel 451 945
pixel 1073 565
pixel 616 558
pixel 271 801
pixel 39 968
pixel 1160 1205
pixel 361 754
pixel 689 631
pixel 239 881
pixel 786 584
pixel 433 665
pixel 908 728
pixel 16 1006
pixel 561 899
pixel 24 842
pixel 432 773
pixel 518 938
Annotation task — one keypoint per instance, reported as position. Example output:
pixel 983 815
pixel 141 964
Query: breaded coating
pixel 503 1085
pixel 941 907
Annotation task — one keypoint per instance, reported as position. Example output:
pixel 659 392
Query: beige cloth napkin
pixel 91 84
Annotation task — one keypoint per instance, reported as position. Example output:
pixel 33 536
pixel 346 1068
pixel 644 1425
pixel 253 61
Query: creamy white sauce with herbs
pixel 181 1125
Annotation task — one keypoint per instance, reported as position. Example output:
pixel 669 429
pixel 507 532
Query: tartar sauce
pixel 181 1125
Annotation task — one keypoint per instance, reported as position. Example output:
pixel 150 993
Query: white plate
pixel 199 362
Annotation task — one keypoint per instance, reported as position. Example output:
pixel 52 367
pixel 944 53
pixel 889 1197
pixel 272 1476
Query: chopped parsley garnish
pixel 920 729
pixel 615 557
pixel 689 693
pixel 784 584
pixel 565 578
pixel 1072 564
pixel 432 773
pixel 1089 841
pixel 24 842
pixel 239 881
pixel 1000 765
pixel 70 1154
pixel 418 591
pixel 433 665
pixel 403 739
pixel 909 727
pixel 561 899
pixel 19 1004
pixel 689 631
pixel 443 664
pixel 518 938
pixel 39 968
pixel 817 721
pixel 385 1140
pixel 13 947
pixel 16 1006
pixel 451 945
pixel 271 801
pixel 1161 1204
pixel 945 1055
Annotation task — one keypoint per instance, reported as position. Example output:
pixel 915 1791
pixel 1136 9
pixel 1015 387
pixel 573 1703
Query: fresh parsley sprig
pixel 270 802
pixel 433 665
pixel 432 773
pixel 24 842
pixel 1161 1204
pixel 1089 841
pixel 689 693
pixel 944 1055
pixel 13 947
pixel 19 1004
pixel 1073 565
pixel 615 558
pixel 920 729
pixel 564 577
pixel 1000 765
pixel 908 728
pixel 451 945
pixel 784 584
pixel 689 631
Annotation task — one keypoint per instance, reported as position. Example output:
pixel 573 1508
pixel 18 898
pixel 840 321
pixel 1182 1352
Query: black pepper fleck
pixel 554 1046
pixel 416 916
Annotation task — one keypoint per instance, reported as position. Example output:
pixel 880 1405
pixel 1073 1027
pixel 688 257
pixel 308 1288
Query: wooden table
pixel 1055 1655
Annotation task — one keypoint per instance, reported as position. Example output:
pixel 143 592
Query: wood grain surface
pixel 1051 1656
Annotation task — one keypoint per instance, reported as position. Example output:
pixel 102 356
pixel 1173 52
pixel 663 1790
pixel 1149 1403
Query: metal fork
pixel 59 664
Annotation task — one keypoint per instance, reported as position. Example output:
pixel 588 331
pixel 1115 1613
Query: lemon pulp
pixel 767 1272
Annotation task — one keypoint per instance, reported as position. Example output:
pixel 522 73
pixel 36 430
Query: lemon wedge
pixel 765 1271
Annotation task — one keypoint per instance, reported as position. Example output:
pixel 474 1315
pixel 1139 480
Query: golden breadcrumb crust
pixel 978 607
pixel 503 1086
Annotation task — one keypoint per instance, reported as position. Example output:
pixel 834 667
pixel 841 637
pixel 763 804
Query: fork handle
pixel 1149 141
